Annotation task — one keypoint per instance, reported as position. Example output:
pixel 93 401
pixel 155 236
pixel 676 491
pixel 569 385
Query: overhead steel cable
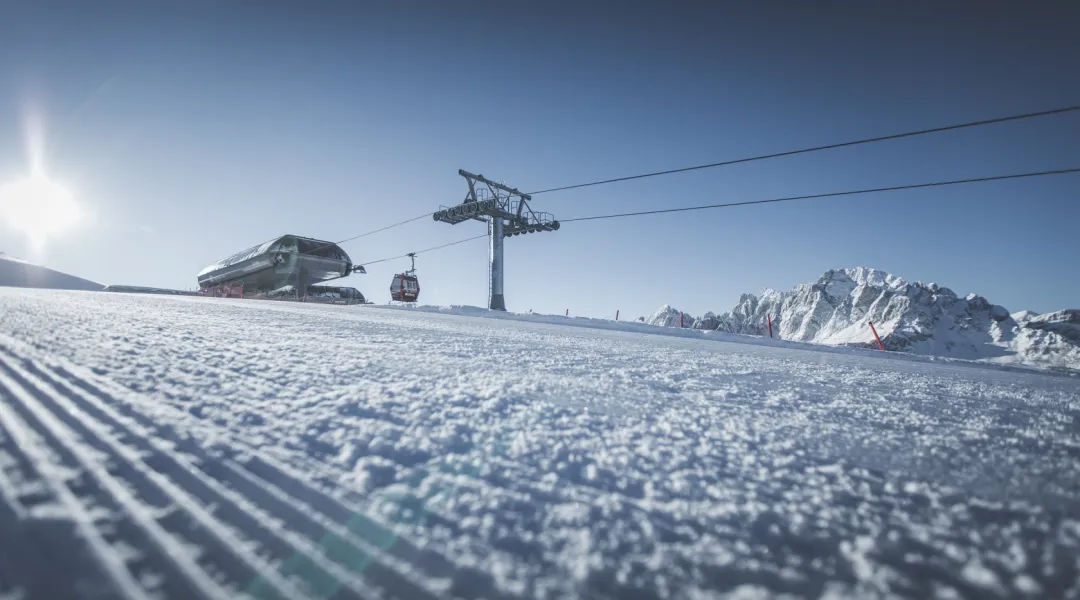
pixel 912 186
pixel 967 125
pixel 374 231
pixel 894 188
pixel 895 136
pixel 439 247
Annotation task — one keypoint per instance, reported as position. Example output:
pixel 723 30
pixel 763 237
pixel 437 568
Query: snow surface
pixel 194 447
pixel 16 272
pixel 919 318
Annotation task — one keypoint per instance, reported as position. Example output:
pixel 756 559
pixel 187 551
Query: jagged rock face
pixel 1065 323
pixel 666 316
pixel 708 321
pixel 912 317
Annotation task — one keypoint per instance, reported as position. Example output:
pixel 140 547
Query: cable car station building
pixel 287 262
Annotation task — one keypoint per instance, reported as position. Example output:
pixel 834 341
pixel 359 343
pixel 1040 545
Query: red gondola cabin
pixel 406 287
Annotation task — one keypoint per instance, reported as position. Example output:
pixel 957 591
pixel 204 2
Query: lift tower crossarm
pixel 494 184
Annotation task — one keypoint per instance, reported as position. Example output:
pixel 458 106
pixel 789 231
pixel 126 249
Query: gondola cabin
pixel 405 287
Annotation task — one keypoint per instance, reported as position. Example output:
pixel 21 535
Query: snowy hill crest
pixel 921 318
pixel 15 272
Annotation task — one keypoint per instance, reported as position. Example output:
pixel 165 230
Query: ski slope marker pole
pixel 768 316
pixel 879 344
pixel 616 315
pixel 567 312
pixel 682 321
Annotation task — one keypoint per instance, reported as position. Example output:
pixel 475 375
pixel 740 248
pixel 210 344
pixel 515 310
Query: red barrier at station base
pixel 223 291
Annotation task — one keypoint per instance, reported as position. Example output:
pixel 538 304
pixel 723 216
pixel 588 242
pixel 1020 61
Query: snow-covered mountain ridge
pixel 914 317
pixel 15 272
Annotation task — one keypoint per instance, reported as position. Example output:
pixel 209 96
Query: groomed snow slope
pixel 192 447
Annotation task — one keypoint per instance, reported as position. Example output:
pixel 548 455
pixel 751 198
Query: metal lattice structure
pixel 506 212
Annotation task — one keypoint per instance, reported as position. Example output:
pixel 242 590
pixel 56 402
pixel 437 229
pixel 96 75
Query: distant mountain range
pixel 835 310
pixel 910 317
pixel 19 273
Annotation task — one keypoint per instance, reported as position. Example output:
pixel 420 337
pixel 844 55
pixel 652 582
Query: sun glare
pixel 39 208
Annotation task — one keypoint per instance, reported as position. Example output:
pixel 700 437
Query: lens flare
pixel 36 206
pixel 35 142
pixel 39 208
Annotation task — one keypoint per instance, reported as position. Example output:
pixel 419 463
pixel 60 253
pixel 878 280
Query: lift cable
pixel 883 138
pixel 433 248
pixel 912 186
pixel 426 215
pixel 971 124
pixel 372 232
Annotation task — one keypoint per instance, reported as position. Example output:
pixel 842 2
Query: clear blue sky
pixel 195 129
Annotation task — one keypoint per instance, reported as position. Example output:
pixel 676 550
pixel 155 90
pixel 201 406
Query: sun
pixel 39 208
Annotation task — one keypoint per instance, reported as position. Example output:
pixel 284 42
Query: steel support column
pixel 495 235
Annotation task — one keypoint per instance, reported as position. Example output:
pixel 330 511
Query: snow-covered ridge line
pixel 920 318
pixel 692 333
pixel 15 272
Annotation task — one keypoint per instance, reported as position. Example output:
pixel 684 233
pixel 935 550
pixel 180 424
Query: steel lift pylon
pixel 506 212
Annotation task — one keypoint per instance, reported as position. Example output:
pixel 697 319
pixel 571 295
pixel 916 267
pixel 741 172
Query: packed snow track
pixel 178 447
